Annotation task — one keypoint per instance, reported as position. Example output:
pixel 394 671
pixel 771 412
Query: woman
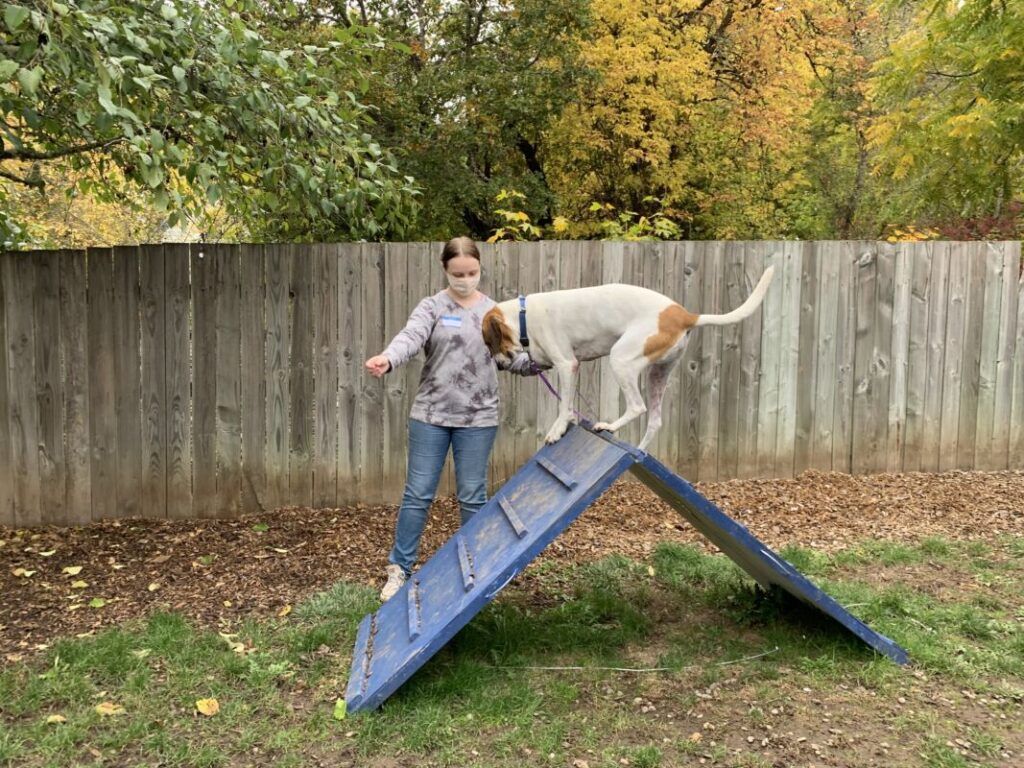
pixel 456 405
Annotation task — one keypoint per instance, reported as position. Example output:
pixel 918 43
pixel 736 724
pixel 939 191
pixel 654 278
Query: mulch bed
pixel 218 571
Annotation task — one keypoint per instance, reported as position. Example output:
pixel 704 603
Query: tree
pixel 950 143
pixel 466 92
pixel 195 104
pixel 739 119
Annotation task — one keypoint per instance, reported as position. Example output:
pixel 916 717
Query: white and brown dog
pixel 637 328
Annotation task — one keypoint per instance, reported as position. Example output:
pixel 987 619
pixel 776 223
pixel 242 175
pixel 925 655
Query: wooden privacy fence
pixel 209 380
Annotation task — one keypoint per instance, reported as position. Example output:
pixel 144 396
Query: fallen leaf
pixel 109 708
pixel 72 570
pixel 79 584
pixel 14 657
pixel 52 719
pixel 22 572
pixel 258 527
pixel 97 602
pixel 340 709
pixel 141 653
pixel 208 707
pixel 280 551
pixel 154 587
pixel 51 553
pixel 235 645
pixel 284 611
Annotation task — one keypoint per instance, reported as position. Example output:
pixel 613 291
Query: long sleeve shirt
pixel 459 383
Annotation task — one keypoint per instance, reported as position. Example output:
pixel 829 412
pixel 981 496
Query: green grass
pixel 697 615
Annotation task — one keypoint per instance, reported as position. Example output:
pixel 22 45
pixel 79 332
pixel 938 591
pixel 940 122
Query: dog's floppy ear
pixel 497 336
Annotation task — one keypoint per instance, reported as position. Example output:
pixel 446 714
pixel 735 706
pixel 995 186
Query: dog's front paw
pixel 603 426
pixel 555 433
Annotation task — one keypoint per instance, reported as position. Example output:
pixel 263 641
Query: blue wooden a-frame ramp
pixel 530 510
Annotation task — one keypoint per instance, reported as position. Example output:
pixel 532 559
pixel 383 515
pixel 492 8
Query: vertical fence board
pixel 396 400
pixel 991 315
pixel 771 357
pixel 1002 416
pixel 547 406
pixel 22 416
pixel 102 416
pixel 254 382
pixel 6 469
pixel 689 288
pixel 846 349
pixel 498 284
pixel 612 271
pixel 204 381
pixel 807 365
pixel 74 334
pixel 300 379
pixel 711 362
pixel 750 352
pixel 278 260
pixel 969 381
pixel 829 255
pixel 350 371
pixel 938 311
pixel 569 277
pixel 881 364
pixel 1016 439
pixel 590 373
pixel 956 318
pixel 667 440
pixel 179 377
pixel 790 359
pixel 865 359
pixel 325 374
pixel 527 257
pixel 899 342
pixel 229 386
pixel 127 392
pixel 917 353
pixel 49 385
pixel 153 330
pixel 370 405
pixel 733 294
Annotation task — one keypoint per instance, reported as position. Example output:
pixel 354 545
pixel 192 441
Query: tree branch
pixel 38 183
pixel 30 154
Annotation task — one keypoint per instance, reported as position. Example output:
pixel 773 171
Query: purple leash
pixel 536 369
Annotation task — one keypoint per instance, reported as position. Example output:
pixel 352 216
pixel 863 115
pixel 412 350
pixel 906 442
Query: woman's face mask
pixel 463 278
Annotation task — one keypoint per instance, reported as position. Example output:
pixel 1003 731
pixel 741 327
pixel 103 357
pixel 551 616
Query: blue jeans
pixel 428 448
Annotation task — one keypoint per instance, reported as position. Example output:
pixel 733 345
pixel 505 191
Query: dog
pixel 637 328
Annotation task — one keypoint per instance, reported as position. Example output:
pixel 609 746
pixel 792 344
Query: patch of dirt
pixel 217 571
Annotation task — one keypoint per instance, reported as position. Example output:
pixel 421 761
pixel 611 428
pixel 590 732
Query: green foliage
pixel 466 93
pixel 950 143
pixel 197 105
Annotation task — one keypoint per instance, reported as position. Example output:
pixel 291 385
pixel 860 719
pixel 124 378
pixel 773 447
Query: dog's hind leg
pixel 657 383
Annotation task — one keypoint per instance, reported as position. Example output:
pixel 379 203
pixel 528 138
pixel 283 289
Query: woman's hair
pixel 459 246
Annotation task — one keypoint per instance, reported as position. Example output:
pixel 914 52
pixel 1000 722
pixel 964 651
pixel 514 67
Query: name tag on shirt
pixel 451 321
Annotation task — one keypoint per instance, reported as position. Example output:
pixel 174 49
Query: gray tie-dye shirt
pixel 459 383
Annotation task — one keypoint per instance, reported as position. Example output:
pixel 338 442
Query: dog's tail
pixel 747 308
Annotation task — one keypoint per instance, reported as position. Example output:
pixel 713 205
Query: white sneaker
pixel 396 579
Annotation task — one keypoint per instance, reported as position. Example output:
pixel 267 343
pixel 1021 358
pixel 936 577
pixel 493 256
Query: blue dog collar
pixel 524 340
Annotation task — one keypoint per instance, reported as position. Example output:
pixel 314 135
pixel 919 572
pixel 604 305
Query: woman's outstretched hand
pixel 378 365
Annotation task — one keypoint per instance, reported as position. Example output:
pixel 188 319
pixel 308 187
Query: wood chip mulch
pixel 218 571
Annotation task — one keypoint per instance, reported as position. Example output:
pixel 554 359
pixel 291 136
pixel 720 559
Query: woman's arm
pixel 410 340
